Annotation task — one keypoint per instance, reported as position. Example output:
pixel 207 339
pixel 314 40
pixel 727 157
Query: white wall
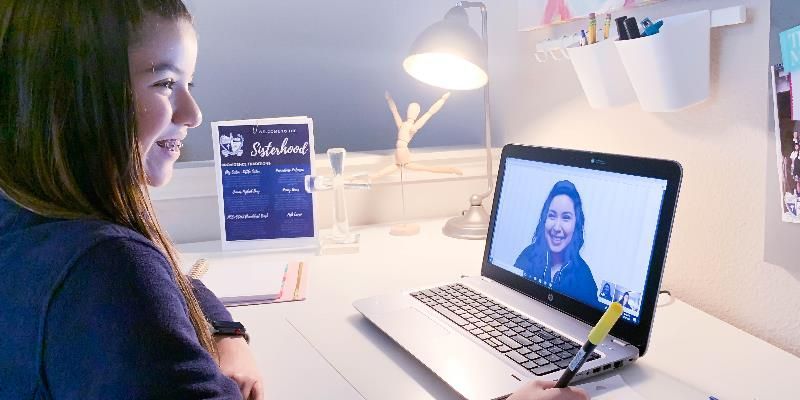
pixel 329 60
pixel 716 256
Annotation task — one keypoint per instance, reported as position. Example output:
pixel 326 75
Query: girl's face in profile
pixel 162 65
pixel 560 223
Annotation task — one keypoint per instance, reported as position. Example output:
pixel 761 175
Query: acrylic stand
pixel 339 240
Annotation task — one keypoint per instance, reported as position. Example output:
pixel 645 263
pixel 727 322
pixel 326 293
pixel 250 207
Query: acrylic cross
pixel 338 183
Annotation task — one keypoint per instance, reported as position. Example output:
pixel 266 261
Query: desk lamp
pixel 449 54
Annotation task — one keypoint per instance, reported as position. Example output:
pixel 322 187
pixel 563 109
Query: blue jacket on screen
pixel 576 279
pixel 89 310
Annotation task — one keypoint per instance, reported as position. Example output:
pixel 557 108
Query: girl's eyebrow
pixel 161 67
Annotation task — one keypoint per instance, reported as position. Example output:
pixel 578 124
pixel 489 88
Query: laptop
pixel 569 233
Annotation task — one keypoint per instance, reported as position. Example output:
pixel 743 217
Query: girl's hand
pixel 544 390
pixel 236 362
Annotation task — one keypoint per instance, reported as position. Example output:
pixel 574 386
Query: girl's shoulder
pixel 528 251
pixel 53 250
pixel 528 261
pixel 114 245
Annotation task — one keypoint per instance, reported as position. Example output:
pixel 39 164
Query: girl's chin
pixel 159 176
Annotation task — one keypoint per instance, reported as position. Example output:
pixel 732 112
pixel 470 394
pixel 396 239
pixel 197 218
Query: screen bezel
pixel 671 171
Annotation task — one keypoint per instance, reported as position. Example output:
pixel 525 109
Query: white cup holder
pixel 602 75
pixel 670 71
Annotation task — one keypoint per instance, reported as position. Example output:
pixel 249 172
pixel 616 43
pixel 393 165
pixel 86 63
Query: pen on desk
pixel 584 42
pixel 592 28
pixel 607 26
pixel 299 279
pixel 596 336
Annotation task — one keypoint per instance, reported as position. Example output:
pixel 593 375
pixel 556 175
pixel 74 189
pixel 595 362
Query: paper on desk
pixel 244 276
pixel 611 388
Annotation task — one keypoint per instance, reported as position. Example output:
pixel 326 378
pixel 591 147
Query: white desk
pixel 323 348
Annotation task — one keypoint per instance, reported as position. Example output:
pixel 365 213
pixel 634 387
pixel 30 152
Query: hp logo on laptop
pixel 549 297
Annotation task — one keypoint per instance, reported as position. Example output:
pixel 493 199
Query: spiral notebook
pixel 250 280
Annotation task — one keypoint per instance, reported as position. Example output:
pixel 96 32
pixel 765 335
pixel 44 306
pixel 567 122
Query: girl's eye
pixel 169 84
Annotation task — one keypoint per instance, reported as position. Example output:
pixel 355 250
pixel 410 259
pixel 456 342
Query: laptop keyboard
pixel 530 344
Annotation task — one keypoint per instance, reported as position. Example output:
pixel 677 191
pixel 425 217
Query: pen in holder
pixel 340 233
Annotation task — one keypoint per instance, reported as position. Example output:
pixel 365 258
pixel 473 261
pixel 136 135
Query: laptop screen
pixel 584 233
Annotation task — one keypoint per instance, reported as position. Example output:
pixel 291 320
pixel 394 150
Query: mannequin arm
pixel 433 110
pixel 393 107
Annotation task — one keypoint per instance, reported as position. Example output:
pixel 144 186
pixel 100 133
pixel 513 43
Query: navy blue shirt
pixel 89 310
pixel 574 280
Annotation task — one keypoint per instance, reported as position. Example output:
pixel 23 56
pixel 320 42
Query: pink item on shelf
pixel 556 7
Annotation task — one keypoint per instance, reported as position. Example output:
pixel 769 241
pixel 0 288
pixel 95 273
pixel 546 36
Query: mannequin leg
pixel 438 170
pixel 383 172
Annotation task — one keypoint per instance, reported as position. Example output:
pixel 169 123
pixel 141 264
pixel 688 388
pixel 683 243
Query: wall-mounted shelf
pixel 665 72
pixel 719 17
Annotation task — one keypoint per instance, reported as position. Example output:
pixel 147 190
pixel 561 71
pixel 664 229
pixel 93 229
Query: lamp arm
pixel 473 223
pixel 486 103
pixel 470 4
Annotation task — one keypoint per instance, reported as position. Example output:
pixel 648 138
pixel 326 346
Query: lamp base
pixel 473 224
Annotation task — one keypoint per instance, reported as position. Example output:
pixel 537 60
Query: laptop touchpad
pixel 412 321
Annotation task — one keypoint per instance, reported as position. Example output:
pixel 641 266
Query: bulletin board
pixel 781 238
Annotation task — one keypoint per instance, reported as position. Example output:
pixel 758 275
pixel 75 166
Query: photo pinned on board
pixel 787 142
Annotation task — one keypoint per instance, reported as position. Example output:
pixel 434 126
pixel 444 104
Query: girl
pixel 95 104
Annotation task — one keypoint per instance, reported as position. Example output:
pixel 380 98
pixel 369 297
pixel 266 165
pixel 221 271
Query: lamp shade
pixel 449 54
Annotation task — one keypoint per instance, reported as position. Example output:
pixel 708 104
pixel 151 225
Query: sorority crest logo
pixel 231 145
pixel 792 205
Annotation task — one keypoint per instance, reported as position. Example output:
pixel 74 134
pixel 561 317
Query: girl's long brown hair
pixel 68 145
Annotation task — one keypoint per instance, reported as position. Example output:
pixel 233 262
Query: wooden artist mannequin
pixel 406 130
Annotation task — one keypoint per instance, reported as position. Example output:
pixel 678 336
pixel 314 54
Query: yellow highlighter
pixel 596 336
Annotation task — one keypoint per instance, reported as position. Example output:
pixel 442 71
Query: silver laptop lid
pixel 577 230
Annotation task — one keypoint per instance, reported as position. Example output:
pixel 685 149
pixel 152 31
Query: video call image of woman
pixel 554 253
pixel 627 300
pixel 607 293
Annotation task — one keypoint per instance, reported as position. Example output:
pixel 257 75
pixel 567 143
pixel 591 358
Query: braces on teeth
pixel 170 144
